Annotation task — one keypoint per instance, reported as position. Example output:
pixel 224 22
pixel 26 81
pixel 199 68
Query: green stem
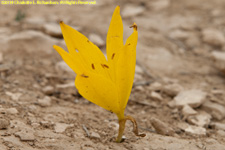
pixel 122 123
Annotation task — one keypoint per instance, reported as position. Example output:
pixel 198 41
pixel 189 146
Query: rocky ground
pixel 178 98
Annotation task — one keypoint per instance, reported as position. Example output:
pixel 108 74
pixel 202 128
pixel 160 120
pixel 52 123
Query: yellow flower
pixel 105 82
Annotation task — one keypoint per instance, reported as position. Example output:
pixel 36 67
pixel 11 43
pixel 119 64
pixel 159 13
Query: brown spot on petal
pixel 85 76
pixel 113 55
pixel 93 67
pixel 104 66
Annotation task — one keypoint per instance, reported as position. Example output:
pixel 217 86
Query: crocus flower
pixel 105 82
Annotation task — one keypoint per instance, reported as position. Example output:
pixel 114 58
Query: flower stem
pixel 122 123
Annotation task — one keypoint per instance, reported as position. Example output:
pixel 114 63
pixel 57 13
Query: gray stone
pixel 35 125
pixel 139 88
pixel 171 104
pixel 26 135
pixel 157 57
pixel 2 111
pixel 137 77
pixel 160 4
pixel 12 111
pixel 218 55
pixel 95 135
pixel 216 110
pixel 34 23
pixel 161 127
pixel 182 125
pixel 187 111
pixel 96 39
pixel 67 88
pixel 53 29
pixel 46 101
pixel 29 41
pixel 218 125
pixel 156 96
pixel 64 86
pixel 172 89
pixel 155 86
pixel 14 142
pixel 219 60
pixel 221 133
pixel 62 66
pixel 217 91
pixel 46 123
pixel 61 127
pixel 193 98
pixel 179 34
pixel 201 119
pixel 113 125
pixel 138 69
pixel 14 96
pixel 4 31
pixel 48 90
pixel 4 124
pixel 213 37
pixel 194 130
pixel 132 10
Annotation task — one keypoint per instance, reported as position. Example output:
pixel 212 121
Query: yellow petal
pixel 89 54
pixel 114 40
pixel 115 33
pixel 74 64
pixel 98 90
pixel 125 68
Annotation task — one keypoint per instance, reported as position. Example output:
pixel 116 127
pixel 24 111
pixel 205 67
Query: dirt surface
pixel 180 56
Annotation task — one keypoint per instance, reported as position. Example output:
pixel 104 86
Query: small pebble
pixel 26 135
pixel 221 133
pixel 53 30
pixel 161 127
pixel 187 111
pixel 155 86
pixel 96 39
pixel 138 69
pixel 216 110
pixel 213 37
pixel 34 23
pixel 179 35
pixel 12 111
pixel 62 66
pixel 35 125
pixel 160 4
pixel 46 101
pixel 4 124
pixel 61 127
pixel 201 119
pixel 132 10
pixel 218 125
pixel 65 86
pixel 218 55
pixel 194 130
pixel 193 98
pixel 156 96
pixel 113 125
pixel 48 90
pixel 172 89
pixel 95 135
pixel 14 96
